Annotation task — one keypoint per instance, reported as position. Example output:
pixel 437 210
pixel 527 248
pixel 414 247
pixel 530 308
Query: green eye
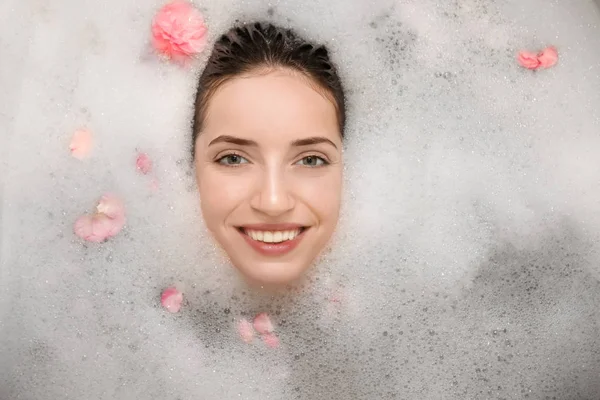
pixel 232 159
pixel 312 161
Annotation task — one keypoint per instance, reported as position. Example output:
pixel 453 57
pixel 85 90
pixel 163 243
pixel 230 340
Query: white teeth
pixel 272 236
pixel 268 237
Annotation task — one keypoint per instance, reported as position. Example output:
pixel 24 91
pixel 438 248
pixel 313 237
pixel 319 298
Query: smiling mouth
pixel 272 237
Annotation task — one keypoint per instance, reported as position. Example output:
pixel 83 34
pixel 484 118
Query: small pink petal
pixel 112 206
pixel 262 323
pixel 107 222
pixel 178 31
pixel 83 227
pixel 245 330
pixel 171 299
pixel 143 163
pixel 271 340
pixel 115 225
pixel 548 57
pixel 81 144
pixel 93 228
pixel 528 60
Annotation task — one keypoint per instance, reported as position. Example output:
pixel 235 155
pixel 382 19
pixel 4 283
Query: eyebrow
pixel 247 142
pixel 233 140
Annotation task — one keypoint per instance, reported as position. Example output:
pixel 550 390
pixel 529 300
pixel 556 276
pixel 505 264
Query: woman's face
pixel 269 170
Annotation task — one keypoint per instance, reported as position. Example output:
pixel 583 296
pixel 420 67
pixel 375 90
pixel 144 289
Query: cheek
pixel 220 192
pixel 323 195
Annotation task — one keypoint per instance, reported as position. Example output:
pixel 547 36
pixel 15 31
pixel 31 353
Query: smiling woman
pixel 267 145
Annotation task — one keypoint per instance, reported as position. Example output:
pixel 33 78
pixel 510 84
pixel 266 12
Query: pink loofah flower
pixel 171 299
pixel 106 223
pixel 143 163
pixel 178 31
pixel 81 144
pixel 544 59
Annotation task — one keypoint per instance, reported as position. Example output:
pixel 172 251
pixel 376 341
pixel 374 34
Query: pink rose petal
pixel 262 323
pixel 178 31
pixel 94 228
pixel 106 223
pixel 116 225
pixel 171 299
pixel 548 57
pixel 81 144
pixel 245 330
pixel 143 163
pixel 111 205
pixel 271 340
pixel 528 60
pixel 83 228
pixel 544 59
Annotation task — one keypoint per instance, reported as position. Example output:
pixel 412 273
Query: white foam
pixel 466 261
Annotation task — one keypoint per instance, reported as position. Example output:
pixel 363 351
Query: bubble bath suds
pixel 466 264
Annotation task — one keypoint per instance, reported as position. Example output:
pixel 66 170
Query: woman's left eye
pixel 312 161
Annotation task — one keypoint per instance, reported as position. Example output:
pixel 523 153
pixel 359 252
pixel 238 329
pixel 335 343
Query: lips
pixel 273 239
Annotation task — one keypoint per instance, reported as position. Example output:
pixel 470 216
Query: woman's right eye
pixel 232 159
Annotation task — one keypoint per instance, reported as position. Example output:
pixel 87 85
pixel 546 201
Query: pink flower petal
pixel 107 222
pixel 143 163
pixel 548 57
pixel 112 206
pixel 178 31
pixel 544 59
pixel 115 225
pixel 271 340
pixel 171 299
pixel 245 330
pixel 103 226
pixel 262 323
pixel 93 228
pixel 528 60
pixel 81 144
pixel 83 227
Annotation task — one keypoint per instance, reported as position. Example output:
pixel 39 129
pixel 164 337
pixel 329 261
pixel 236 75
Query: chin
pixel 272 273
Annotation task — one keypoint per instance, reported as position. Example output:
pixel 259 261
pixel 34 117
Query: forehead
pixel 279 103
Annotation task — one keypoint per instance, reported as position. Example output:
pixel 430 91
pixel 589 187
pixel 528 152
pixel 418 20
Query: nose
pixel 272 196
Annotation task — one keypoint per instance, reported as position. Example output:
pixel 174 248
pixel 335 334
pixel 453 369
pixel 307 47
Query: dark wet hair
pixel 251 47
